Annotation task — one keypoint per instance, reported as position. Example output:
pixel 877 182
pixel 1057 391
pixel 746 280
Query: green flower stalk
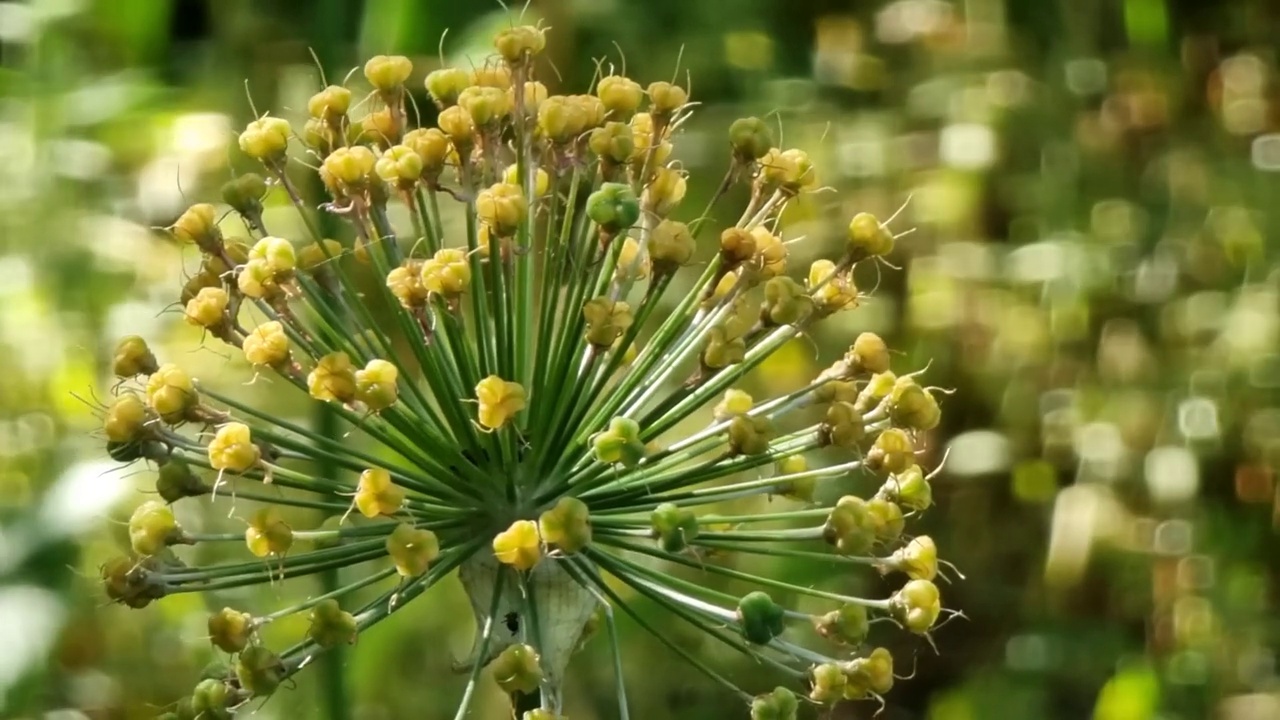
pixel 519 399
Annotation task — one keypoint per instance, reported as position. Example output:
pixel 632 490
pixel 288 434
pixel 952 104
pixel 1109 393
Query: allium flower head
pixel 548 404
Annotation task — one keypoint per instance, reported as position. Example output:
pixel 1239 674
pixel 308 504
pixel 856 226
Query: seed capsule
pixel 519 545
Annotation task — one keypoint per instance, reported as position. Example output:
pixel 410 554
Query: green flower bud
pixel 781 704
pixel 750 138
pixel 613 142
pixel 176 481
pixel 917 606
pixel 212 699
pixel 133 357
pixel 412 550
pixel 750 435
pixel 620 95
pixel 868 238
pixel 487 106
pixel 674 526
pixel 517 669
pixel 567 526
pixel 244 194
pixel 845 391
pixel 230 630
pixel 761 618
pixel 613 207
pixel 266 139
pixel 620 443
pixel 259 671
pixel 850 527
pixel 723 349
pixel 918 559
pixel 847 626
pixel 331 625
pixel 517 44
pixel 387 72
pixel 843 427
pixel 665 99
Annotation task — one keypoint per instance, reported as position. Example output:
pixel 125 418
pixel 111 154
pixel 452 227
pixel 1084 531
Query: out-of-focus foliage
pixel 1094 273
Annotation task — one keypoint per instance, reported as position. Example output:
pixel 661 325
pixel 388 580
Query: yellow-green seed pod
pixel 377 495
pixel 843 426
pixel 760 618
pixel 265 139
pixel 487 106
pixel 446 84
pixel 456 123
pixel 666 190
pixel 735 402
pixel 412 550
pixel 561 119
pixel 850 527
pixel 212 698
pixel 376 385
pixel 606 321
pixel 432 147
pixel 665 99
pixel 502 207
pixel 277 253
pixel 519 546
pixel 171 393
pixel 566 526
pixel 613 142
pixel 723 349
pixel 910 488
pixel 619 444
pixel 785 302
pixel 869 353
pixel 533 94
pixel 232 449
pixel 916 606
pixel 125 419
pixel 208 308
pixel 447 273
pixel 267 345
pixel 350 167
pixel 892 452
pixel 176 481
pixel 620 96
pixel 671 247
pixel 868 238
pixel 331 625
pixel 493 75
pixel 781 704
pixel 836 391
pixel 887 518
pixel 673 526
pixel 517 44
pixel 913 407
pixel 400 166
pixel 406 283
pixel 832 290
pixel 388 72
pixel 152 528
pixel 132 358
pixel 244 194
pixel 517 669
pixel 330 104
pixel 847 626
pixel 750 138
pixel 736 247
pixel 499 401
pixel 259 671
pixel 750 435
pixel 827 682
pixel 198 225
pixel 268 533
pixel 333 379
pixel 918 559
pixel 126 581
pixel 230 630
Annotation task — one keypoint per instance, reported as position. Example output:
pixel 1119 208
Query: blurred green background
pixel 1094 185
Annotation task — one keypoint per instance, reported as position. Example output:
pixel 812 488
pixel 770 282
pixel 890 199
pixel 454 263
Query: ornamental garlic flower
pixel 540 399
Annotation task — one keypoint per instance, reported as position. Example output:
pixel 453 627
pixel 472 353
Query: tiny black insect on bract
pixel 512 621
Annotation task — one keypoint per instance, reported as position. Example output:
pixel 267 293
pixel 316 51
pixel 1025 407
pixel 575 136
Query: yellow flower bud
pixel 499 401
pixel 517 669
pixel 330 104
pixel 910 488
pixel 516 45
pixel 642 138
pixel 457 124
pixel 868 353
pixel 502 207
pixel 670 246
pixel 446 84
pixel 376 385
pixel 447 273
pixel 125 419
pixel 606 320
pixel 832 291
pixel 850 527
pixel 381 127
pixel 918 559
pixel 828 683
pixel 405 283
pixel 887 518
pixel 401 166
pixel 771 254
pixel 917 606
pixel 613 141
pixel 198 225
pixel 171 393
pixel 152 528
pixel 230 630
pixel 207 309
pixel 232 448
pixel 333 379
pixel 412 550
pixel 620 95
pixel 431 145
pixel 535 93
pixel 377 495
pixel 844 426
pixel 797 488
pixel 277 253
pixel 256 280
pixel 541 181
pixel 665 98
pixel 632 265
pixel 495 76
pixel 351 166
pixel 267 345
pixel 387 72
pixel 486 105
pixel 265 139
pixel 561 119
pixel 132 358
pixel 268 533
pixel 736 246
pixel 519 545
pixel 736 402
pixel 567 526
pixel 868 238
pixel 892 452
pixel 666 190
pixel 750 435
pixel 791 170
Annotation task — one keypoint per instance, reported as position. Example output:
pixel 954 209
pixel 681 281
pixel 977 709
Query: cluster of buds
pixel 497 413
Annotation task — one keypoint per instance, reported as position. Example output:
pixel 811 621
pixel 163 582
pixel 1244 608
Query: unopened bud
pixel 387 72
pixel 412 550
pixel 620 95
pixel 268 533
pixel 566 526
pixel 499 401
pixel 132 358
pixel 519 546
